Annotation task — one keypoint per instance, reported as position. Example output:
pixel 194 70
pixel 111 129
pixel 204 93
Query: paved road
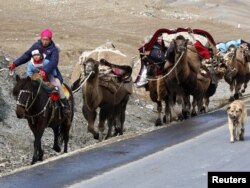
pixel 174 156
pixel 182 165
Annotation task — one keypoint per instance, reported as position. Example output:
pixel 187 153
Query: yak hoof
pixel 96 136
pixel 180 117
pixel 107 137
pixel 34 160
pixel 40 158
pixel 231 99
pixel 164 119
pixel 193 114
pixel 203 110
pixel 236 96
pixel 185 114
pixel 57 148
pixel 158 122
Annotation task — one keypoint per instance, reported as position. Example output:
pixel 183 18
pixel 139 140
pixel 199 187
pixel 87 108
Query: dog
pixel 237 116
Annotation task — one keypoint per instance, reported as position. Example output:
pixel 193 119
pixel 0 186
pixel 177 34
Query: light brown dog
pixel 237 115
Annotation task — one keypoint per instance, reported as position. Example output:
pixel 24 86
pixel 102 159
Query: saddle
pixel 122 72
pixel 50 89
pixel 110 83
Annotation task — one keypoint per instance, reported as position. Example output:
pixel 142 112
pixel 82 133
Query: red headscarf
pixel 46 33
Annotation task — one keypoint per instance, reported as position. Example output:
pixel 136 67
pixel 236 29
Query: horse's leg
pixel 65 132
pixel 159 109
pixel 38 152
pixel 56 146
pixel 90 116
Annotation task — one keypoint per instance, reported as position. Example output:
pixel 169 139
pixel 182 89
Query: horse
pixel 111 102
pixel 34 104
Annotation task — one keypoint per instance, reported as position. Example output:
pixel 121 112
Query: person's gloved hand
pixel 12 66
pixel 43 74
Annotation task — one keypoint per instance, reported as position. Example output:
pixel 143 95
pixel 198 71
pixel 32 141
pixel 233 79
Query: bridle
pixel 30 97
pixel 33 99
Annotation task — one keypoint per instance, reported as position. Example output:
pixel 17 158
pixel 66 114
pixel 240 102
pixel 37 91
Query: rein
pixel 39 88
pixel 27 108
pixel 77 89
pixel 168 73
pixel 44 108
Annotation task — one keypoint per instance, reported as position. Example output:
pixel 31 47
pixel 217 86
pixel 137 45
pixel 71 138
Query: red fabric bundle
pixel 202 50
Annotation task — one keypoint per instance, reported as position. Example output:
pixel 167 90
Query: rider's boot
pixel 65 105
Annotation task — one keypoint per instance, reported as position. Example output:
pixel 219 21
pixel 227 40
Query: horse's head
pixel 90 66
pixel 23 92
pixel 180 44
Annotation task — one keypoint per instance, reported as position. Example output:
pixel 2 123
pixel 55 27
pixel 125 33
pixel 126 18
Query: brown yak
pixel 112 104
pixel 237 61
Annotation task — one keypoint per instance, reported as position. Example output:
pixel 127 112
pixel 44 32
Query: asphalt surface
pixel 185 165
pixel 88 164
